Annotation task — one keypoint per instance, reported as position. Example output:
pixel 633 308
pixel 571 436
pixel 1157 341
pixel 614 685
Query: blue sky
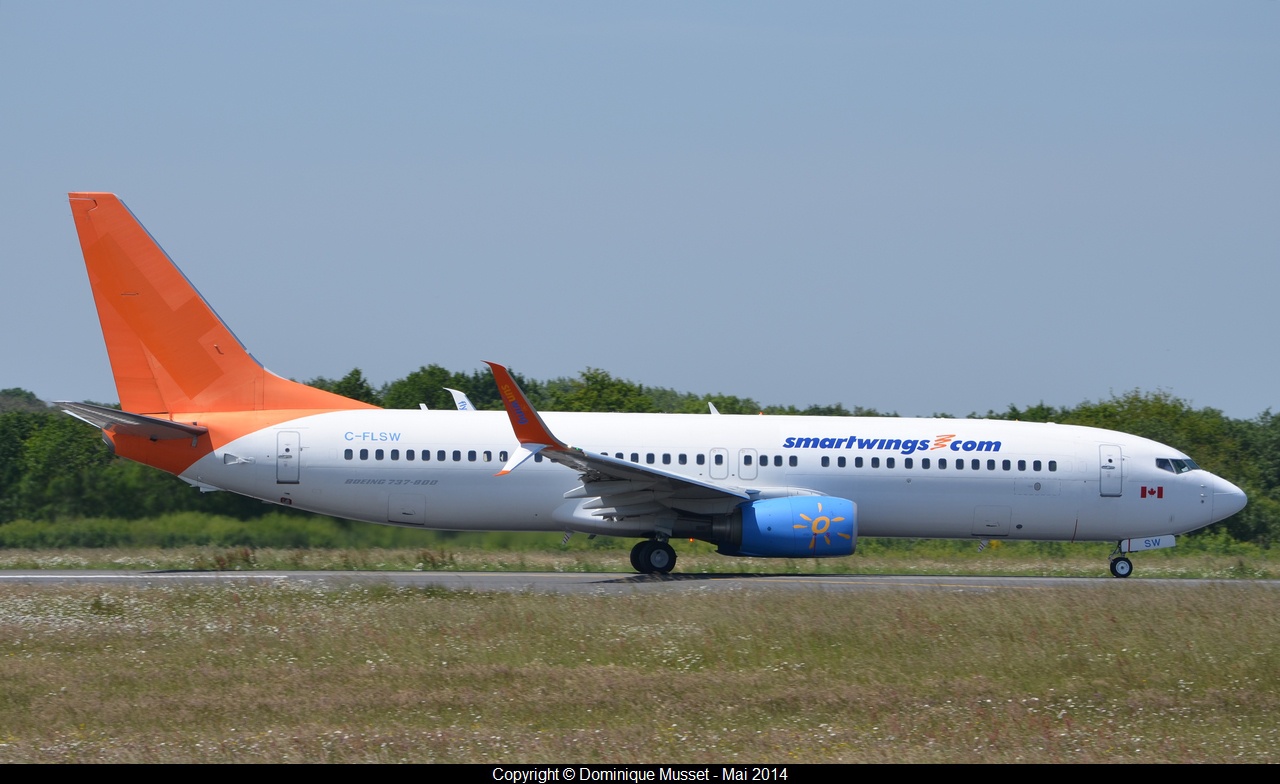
pixel 916 207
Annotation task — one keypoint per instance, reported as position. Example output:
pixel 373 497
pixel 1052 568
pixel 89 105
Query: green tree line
pixel 53 466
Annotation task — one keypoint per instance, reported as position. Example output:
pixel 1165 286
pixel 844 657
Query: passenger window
pixel 503 456
pixel 792 461
pixel 777 460
pixel 408 454
pixel 959 463
pixel 1035 466
pixel 457 455
pixel 701 459
pixel 826 461
pixel 975 464
pixel 888 462
pixel 1053 465
pixel 1006 465
pixel 840 461
pixel 488 456
pixel 942 462
pixel 719 459
pixel 537 458
pixel 991 465
pixel 440 455
pixel 857 462
pixel 683 459
pixel 666 458
pixel 746 460
pixel 378 454
pixel 875 462
pixel 635 457
pixel 1022 465
pixel 907 462
pixel 924 463
pixel 395 454
pixel 649 458
pixel 347 455
pixel 364 454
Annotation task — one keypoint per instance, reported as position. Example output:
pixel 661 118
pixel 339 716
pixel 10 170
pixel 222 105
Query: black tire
pixel 661 558
pixel 636 558
pixel 1121 567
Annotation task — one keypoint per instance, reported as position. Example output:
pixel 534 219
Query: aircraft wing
pixel 611 487
pixel 131 424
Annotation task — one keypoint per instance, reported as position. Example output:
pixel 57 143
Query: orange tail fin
pixel 169 351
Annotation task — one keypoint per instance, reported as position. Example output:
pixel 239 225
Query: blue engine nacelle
pixel 803 526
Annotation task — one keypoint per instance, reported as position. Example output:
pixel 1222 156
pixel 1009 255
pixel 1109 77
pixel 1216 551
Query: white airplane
pixel 195 403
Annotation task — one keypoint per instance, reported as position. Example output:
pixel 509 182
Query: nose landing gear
pixel 1121 567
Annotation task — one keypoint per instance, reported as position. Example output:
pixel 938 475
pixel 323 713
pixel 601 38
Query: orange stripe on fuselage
pixel 177 455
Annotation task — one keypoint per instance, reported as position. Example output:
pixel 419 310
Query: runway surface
pixel 575 582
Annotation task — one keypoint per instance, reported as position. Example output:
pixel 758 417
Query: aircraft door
pixel 288 454
pixel 747 463
pixel 1111 468
pixel 719 468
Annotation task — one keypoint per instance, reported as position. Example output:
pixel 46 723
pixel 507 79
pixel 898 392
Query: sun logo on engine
pixel 819 526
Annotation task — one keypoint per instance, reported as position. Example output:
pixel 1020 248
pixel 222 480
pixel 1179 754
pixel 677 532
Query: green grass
pixel 1112 671
pixel 283 540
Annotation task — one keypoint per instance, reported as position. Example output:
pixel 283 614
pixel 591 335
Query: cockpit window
pixel 1176 465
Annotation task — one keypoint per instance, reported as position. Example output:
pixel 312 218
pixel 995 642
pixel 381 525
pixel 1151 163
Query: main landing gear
pixel 652 556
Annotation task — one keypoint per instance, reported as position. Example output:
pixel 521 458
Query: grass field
pixel 937 558
pixel 1111 671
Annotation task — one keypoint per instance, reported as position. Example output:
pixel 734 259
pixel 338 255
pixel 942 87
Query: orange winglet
pixel 528 426
pixel 169 351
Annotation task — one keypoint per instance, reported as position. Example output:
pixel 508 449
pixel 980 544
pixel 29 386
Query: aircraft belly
pixel 1179 506
pixel 965 508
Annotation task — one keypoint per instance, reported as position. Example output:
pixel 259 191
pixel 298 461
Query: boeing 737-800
pixel 195 403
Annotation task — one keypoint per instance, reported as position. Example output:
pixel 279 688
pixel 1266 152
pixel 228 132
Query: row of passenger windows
pixel 486 456
pixel 441 455
pixel 958 463
pixel 858 462
pixel 701 459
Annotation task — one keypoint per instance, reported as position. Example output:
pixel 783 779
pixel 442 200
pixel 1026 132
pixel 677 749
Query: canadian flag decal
pixel 1153 492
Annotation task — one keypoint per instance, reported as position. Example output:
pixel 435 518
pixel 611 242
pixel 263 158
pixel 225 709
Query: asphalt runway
pixel 598 583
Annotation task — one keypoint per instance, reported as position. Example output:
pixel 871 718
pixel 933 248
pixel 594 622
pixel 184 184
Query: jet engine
pixel 807 526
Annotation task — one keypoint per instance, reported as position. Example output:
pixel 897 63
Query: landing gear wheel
pixel 637 562
pixel 1121 567
pixel 653 557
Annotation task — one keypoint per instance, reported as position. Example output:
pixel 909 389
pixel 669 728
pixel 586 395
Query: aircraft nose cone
pixel 1227 499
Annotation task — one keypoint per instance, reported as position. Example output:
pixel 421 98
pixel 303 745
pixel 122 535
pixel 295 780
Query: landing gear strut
pixel 653 557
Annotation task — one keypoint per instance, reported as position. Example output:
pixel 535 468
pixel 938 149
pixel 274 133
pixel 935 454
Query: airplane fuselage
pixel 944 478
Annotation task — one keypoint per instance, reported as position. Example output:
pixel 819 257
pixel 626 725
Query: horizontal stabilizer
pixel 123 422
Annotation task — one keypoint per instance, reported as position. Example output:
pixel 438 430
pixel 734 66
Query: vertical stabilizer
pixel 169 351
